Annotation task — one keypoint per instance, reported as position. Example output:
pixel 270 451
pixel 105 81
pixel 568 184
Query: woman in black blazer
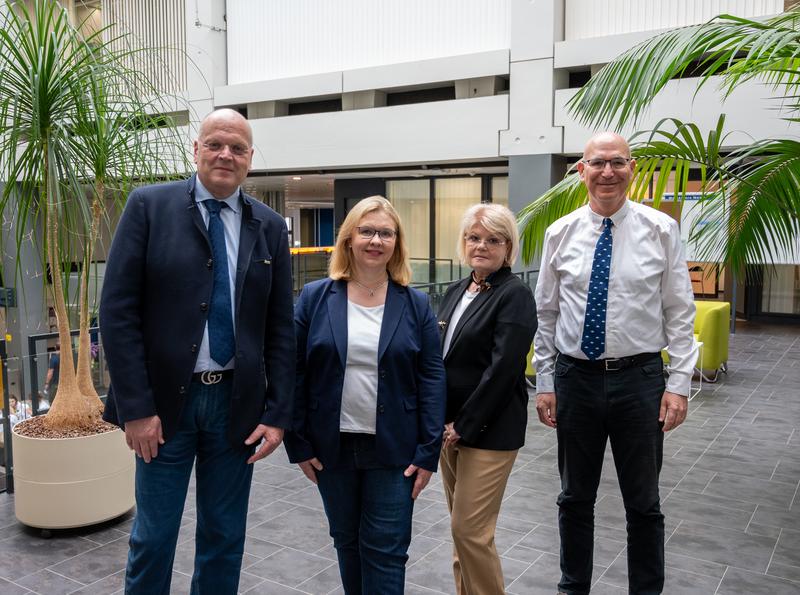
pixel 487 323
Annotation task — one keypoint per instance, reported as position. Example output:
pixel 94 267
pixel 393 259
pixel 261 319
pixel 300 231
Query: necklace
pixel 371 290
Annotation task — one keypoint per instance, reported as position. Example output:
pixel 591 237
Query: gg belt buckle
pixel 210 377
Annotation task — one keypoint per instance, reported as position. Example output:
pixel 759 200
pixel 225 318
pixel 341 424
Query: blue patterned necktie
pixel 593 340
pixel 221 341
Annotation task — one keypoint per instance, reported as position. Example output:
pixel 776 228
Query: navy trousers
pixel 591 408
pixel 223 488
pixel 369 510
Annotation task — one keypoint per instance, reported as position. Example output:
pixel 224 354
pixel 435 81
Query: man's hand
pixel 673 410
pixel 143 436
pixel 310 468
pixel 423 477
pixel 546 408
pixel 272 439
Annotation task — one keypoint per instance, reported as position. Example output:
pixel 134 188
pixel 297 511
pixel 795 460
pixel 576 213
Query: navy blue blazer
pixel 411 382
pixel 154 307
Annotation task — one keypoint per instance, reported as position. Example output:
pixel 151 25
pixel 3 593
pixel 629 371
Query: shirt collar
pixel 201 193
pixel 616 218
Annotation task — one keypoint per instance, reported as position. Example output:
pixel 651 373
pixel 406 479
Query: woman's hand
pixel 310 468
pixel 450 435
pixel 423 477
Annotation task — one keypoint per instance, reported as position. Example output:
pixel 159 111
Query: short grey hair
pixel 497 219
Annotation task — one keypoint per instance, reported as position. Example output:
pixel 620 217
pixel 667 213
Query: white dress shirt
pixel 232 223
pixel 650 300
pixel 466 300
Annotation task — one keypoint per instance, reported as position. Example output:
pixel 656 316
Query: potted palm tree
pixel 750 193
pixel 76 132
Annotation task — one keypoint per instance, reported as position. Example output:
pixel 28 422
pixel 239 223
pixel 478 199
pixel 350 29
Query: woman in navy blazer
pixel 370 397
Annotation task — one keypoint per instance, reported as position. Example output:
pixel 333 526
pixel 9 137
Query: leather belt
pixel 209 377
pixel 614 364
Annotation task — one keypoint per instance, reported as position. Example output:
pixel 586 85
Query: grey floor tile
pixel 324 582
pixel 742 582
pixel 49 582
pixel 723 546
pixel 248 581
pixel 301 528
pixel 9 588
pixel 110 584
pixel 289 567
pixel 95 564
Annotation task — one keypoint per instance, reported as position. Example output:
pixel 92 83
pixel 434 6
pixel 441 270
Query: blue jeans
pixel 620 406
pixel 223 488
pixel 369 510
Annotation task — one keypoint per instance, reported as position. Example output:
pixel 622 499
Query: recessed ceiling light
pixel 297 178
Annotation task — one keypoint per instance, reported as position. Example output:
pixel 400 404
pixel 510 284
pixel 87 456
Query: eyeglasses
pixel 473 240
pixel 385 235
pixel 617 163
pixel 215 147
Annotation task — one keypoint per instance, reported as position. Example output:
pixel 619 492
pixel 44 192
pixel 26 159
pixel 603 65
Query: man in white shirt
pixel 613 291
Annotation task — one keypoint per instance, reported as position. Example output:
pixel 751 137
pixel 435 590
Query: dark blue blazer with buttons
pixel 154 307
pixel 411 382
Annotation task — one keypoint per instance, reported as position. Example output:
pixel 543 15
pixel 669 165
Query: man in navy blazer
pixel 196 320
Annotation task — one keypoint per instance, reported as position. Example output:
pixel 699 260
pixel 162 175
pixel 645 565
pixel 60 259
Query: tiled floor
pixel 729 488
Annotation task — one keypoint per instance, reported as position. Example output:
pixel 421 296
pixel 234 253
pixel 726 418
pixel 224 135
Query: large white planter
pixel 72 482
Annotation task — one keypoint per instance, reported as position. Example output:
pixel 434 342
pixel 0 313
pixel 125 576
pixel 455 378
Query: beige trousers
pixel 474 481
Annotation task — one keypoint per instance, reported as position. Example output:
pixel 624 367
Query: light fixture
pixel 296 178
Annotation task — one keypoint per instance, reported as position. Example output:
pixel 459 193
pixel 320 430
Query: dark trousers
pixel 369 510
pixel 223 488
pixel 622 406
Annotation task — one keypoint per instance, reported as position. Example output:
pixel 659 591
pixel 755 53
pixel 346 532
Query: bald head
pixel 607 139
pixel 225 117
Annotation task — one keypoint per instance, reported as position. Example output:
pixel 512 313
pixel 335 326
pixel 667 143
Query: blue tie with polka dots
pixel 593 341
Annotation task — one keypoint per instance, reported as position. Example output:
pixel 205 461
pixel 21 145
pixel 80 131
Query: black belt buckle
pixel 614 365
pixel 209 377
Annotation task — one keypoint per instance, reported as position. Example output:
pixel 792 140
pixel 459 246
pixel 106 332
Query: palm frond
pixel 734 48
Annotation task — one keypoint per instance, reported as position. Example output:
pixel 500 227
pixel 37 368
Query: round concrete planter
pixel 72 482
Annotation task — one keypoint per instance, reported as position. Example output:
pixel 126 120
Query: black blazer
pixel 411 385
pixel 486 393
pixel 154 306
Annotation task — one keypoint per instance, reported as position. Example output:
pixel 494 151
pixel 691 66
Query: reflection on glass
pixel 453 197
pixel 781 293
pixel 411 199
pixel 500 190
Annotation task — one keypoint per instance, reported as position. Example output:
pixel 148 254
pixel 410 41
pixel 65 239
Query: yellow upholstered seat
pixel 711 327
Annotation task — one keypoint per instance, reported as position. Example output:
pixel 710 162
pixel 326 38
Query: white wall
pixel 287 38
pixel 596 18
pixel 464 129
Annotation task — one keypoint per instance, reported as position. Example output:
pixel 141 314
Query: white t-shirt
pixel 466 300
pixel 360 389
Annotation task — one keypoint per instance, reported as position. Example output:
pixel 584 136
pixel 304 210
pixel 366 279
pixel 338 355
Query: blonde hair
pixel 498 220
pixel 341 263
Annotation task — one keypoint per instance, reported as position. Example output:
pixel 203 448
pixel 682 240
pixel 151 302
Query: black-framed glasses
pixel 491 242
pixel 215 147
pixel 617 163
pixel 385 235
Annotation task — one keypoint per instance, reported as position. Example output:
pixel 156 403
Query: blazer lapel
pixel 194 209
pixel 392 314
pixel 337 315
pixel 446 313
pixel 471 310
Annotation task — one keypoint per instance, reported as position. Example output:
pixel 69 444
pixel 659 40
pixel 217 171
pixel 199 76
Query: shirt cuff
pixel 545 383
pixel 679 383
